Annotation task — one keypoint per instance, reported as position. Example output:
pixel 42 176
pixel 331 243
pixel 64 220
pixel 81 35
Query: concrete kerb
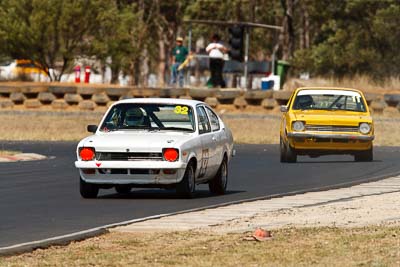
pixel 32 103
pixel 87 105
pixel 9 89
pixel 46 97
pixel 369 97
pixel 212 101
pixel 173 92
pixel 282 97
pixel 81 235
pixel 22 157
pixel 100 98
pixel 228 94
pixel 255 98
pixel 201 93
pixel 62 90
pixel 72 99
pixel 117 92
pixel 269 103
pixel 378 106
pixel 240 103
pixel 45 243
pixel 89 91
pixel 392 100
pixel 145 92
pixel 17 97
pixel 33 89
pixel 59 104
pixel 6 103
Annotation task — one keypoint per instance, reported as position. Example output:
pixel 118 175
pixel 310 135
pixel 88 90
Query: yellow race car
pixel 323 121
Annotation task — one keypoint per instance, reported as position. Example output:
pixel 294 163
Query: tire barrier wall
pixel 60 96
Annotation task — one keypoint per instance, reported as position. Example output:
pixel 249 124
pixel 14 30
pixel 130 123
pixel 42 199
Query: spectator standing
pixel 179 54
pixel 216 51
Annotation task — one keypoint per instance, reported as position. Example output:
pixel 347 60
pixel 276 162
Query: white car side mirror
pixel 284 108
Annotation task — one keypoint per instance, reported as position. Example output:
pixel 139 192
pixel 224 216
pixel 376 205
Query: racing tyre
pixel 123 189
pixel 220 181
pixel 282 150
pixel 187 186
pixel 291 155
pixel 367 155
pixel 88 190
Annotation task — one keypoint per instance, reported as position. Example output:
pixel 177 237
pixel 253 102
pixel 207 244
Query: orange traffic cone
pixel 261 234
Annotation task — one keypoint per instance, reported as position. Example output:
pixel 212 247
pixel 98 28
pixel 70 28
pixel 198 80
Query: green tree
pixel 353 37
pixel 116 41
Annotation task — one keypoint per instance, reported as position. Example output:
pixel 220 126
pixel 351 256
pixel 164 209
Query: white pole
pixel 189 50
pixel 246 56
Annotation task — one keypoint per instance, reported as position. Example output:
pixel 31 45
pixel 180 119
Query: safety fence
pixel 60 96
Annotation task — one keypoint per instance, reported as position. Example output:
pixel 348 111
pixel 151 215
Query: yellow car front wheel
pixel 367 155
pixel 288 154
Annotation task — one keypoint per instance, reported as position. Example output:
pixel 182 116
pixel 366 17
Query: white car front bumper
pixel 131 172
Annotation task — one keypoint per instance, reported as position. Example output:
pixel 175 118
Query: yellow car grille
pixel 331 128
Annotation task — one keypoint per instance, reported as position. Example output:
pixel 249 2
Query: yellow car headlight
pixel 298 126
pixel 364 128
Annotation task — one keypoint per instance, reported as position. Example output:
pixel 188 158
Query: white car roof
pixel 173 101
pixel 328 92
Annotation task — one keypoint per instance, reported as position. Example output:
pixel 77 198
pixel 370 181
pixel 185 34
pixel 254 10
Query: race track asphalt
pixel 40 199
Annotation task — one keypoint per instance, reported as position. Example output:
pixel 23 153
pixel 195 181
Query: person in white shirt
pixel 216 51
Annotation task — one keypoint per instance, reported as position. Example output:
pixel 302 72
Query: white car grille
pixel 128 156
pixel 330 128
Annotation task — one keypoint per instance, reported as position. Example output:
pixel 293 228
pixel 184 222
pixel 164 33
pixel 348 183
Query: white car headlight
pixel 298 126
pixel 364 128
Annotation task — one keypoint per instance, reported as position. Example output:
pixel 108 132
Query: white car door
pixel 218 136
pixel 208 149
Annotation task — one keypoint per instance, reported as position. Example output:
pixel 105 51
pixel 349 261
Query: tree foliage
pixel 117 38
pixel 50 32
pixel 353 37
pixel 135 37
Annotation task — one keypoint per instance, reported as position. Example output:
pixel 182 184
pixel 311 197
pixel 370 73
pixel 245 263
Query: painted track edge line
pixel 96 231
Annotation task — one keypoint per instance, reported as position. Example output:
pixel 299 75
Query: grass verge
pixel 72 127
pixel 362 82
pixel 368 246
pixel 44 127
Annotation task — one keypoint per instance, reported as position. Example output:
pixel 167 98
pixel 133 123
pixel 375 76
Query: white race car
pixel 154 142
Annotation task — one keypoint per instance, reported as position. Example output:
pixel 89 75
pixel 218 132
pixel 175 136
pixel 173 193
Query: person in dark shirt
pixel 179 54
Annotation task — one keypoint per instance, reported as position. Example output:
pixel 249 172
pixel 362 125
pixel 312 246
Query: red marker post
pixel 77 70
pixel 87 74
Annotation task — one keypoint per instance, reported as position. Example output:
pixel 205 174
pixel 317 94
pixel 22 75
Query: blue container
pixel 266 85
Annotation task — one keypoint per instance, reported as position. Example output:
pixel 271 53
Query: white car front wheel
pixel 123 189
pixel 187 186
pixel 220 181
pixel 88 190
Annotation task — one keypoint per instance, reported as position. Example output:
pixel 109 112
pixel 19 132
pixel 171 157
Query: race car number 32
pixel 181 110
